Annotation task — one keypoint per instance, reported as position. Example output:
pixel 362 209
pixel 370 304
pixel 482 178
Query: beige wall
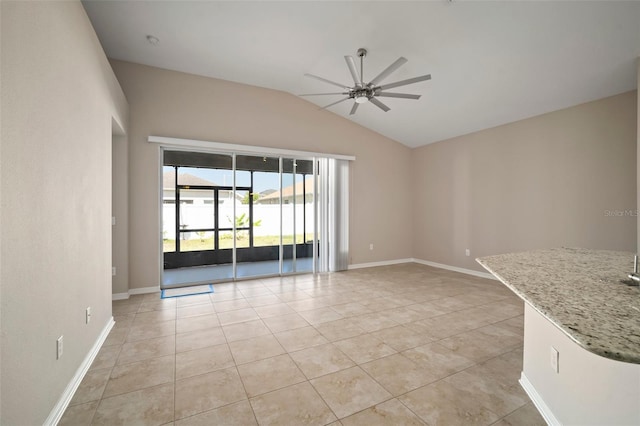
pixel 168 103
pixel 542 182
pixel 58 99
pixel 638 158
pixel 120 211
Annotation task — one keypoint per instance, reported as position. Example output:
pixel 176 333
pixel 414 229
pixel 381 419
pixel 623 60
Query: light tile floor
pixel 398 345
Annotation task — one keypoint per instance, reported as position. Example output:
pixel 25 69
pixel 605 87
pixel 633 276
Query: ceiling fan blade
pixel 322 94
pixel 352 69
pixel 354 108
pixel 337 102
pixel 342 86
pixel 379 104
pixel 391 68
pixel 398 95
pixel 404 82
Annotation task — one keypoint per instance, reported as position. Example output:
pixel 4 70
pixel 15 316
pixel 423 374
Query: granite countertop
pixel 580 291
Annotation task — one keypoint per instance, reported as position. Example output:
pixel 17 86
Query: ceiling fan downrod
pixel 362 52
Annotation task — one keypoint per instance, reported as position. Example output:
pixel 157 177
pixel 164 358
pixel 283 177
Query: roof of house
pixel 169 178
pixel 267 192
pixel 288 191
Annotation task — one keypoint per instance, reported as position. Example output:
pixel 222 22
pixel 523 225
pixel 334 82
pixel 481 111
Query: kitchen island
pixel 582 332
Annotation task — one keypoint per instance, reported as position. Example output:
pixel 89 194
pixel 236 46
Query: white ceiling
pixel 491 62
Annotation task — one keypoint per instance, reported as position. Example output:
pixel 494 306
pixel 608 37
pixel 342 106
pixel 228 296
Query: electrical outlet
pixel 555 359
pixel 59 347
pixel 113 220
pixel 88 315
pixel 113 271
pixel 371 246
pixel 467 252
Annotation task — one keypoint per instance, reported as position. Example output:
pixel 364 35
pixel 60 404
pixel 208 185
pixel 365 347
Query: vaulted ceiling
pixel 491 62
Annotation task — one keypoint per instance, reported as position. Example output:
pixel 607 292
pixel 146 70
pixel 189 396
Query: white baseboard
pixel 423 262
pixel 383 263
pixel 120 296
pixel 543 408
pixel 56 414
pixel 455 269
pixel 146 290
pixel 142 290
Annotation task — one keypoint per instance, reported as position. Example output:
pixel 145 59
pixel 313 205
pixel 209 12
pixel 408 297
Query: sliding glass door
pixel 259 252
pixel 232 216
pixel 298 215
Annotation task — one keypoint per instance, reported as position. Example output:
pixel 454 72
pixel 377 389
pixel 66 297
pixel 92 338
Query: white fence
pixel 199 216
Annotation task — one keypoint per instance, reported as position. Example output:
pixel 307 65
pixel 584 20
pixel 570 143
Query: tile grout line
pixel 175 362
pixel 99 401
pixel 328 300
pixel 235 365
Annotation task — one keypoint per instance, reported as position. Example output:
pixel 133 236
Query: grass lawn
pixel 226 242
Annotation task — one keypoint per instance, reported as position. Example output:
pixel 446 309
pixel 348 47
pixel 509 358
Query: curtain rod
pixel 244 149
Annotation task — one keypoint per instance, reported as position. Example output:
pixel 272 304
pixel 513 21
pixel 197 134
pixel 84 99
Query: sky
pixel 261 180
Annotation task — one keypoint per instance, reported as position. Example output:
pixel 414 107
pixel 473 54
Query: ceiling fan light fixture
pixel 361 98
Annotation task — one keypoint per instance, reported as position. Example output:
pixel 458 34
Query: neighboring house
pixel 304 187
pixel 193 196
pixel 266 192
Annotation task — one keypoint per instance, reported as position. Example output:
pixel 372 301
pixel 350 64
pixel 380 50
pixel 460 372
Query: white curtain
pixel 333 215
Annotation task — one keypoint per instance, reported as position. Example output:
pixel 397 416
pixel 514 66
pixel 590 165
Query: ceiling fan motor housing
pixel 361 94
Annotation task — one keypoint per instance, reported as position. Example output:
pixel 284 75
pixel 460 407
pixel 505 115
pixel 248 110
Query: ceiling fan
pixel 363 92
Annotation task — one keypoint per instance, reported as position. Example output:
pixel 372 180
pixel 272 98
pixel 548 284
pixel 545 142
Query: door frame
pixel 281 155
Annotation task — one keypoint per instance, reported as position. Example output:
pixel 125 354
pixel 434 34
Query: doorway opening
pixel 232 216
